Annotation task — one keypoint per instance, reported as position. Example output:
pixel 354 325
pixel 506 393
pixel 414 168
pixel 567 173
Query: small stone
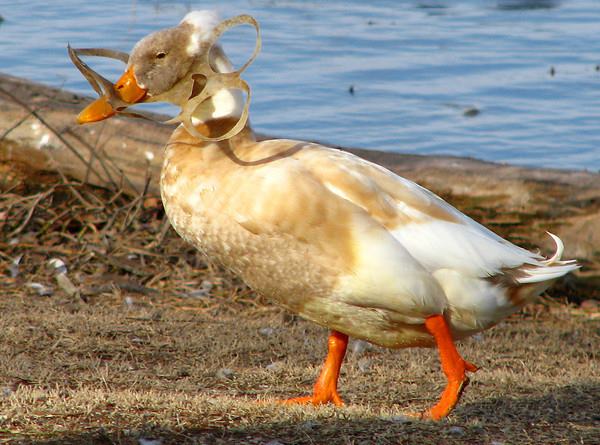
pixel 204 291
pixel 14 266
pixel 42 291
pixel 309 425
pixel 478 337
pixel 275 366
pixel 273 442
pixel 65 283
pixel 401 419
pixel 58 265
pixel 129 302
pixel 266 331
pixel 225 374
pixel 364 364
pixel 496 442
pixel 149 441
pixel 358 347
pixel 6 391
pixel 456 430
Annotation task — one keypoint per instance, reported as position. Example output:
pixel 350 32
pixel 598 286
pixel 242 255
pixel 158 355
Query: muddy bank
pixel 37 130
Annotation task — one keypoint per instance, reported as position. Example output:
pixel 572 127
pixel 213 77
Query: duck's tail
pixel 549 269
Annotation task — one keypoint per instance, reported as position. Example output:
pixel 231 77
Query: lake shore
pixel 39 132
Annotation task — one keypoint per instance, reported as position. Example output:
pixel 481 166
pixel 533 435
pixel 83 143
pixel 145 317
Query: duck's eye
pixel 161 55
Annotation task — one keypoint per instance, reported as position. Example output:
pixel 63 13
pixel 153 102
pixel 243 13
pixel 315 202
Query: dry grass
pixel 100 372
pixel 138 348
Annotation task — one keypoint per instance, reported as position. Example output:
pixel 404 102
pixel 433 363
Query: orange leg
pixel 453 365
pixel 325 389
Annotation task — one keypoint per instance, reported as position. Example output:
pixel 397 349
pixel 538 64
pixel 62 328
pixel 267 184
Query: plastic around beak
pixel 116 101
pixel 128 91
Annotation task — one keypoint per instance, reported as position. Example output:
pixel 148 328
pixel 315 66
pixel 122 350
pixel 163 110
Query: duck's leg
pixel 453 365
pixel 325 389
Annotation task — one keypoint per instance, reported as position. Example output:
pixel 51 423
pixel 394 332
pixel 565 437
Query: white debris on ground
pixel 149 441
pixel 60 275
pixel 204 291
pixel 14 266
pixel 456 430
pixel 400 419
pixel 358 347
pixel 266 331
pixel 40 289
pixel 364 364
pixel 225 374
pixel 275 366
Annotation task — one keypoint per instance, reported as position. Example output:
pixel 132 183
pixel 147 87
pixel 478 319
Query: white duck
pixel 336 239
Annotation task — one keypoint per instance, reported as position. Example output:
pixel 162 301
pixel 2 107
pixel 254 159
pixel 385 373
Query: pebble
pixel 401 419
pixel 14 266
pixel 149 441
pixel 58 265
pixel 358 347
pixel 266 331
pixel 275 366
pixel 310 425
pixel 225 374
pixel 364 364
pixel 42 291
pixel 273 442
pixel 456 430
pixel 204 291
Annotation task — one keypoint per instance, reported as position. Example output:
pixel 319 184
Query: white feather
pixel 204 22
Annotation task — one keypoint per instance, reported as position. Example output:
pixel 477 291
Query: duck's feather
pixel 435 233
pixel 392 252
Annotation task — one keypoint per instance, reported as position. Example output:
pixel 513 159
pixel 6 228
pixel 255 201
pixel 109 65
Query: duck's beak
pixel 127 89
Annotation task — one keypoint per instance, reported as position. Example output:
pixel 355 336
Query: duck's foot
pixel 453 365
pixel 316 399
pixel 325 389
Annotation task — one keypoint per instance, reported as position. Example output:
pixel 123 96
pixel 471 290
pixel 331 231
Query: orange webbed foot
pixel 453 365
pixel 325 389
pixel 321 398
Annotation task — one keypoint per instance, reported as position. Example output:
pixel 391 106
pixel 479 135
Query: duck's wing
pixel 436 234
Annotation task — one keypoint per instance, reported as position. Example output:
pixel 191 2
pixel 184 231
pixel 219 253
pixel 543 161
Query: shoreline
pixel 38 131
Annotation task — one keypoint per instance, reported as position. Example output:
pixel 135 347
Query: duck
pixel 338 240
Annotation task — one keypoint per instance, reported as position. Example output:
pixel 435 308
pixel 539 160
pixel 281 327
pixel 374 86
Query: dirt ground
pixel 137 340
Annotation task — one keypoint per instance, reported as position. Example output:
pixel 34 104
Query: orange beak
pixel 127 89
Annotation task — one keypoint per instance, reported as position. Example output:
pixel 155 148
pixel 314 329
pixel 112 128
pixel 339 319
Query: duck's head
pixel 162 67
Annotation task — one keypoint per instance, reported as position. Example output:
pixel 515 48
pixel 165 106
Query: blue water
pixel 415 66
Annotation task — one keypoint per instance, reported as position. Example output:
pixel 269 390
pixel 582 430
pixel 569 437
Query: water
pixel 468 78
